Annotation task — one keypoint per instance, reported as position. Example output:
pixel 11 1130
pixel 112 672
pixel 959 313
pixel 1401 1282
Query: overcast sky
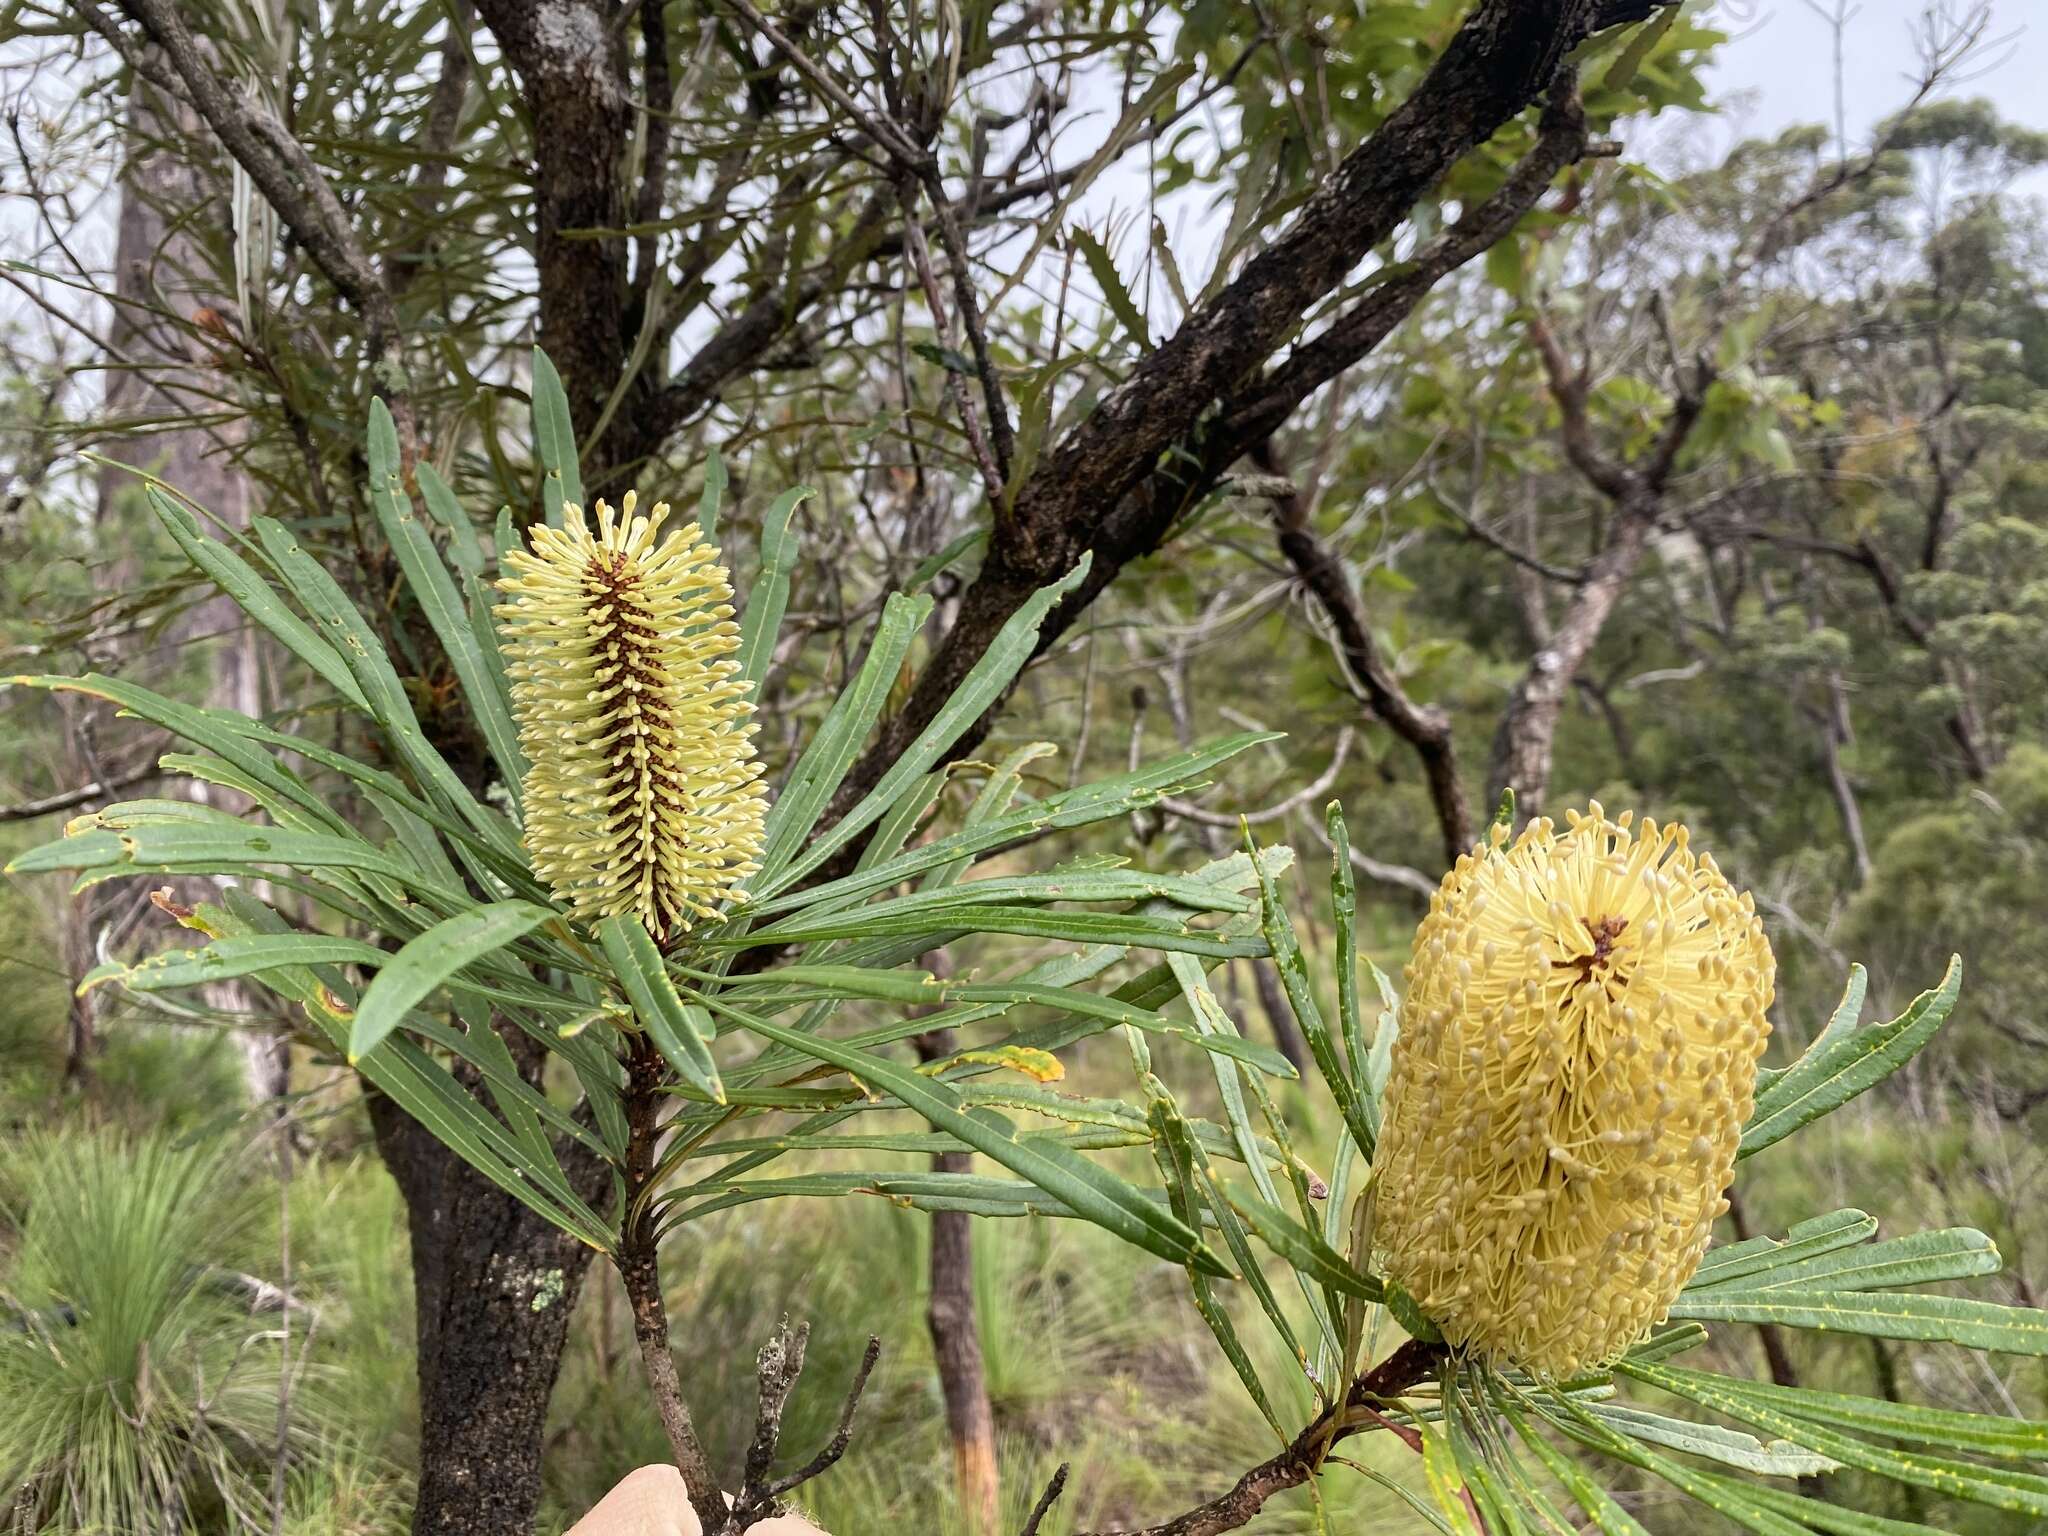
pixel 1778 67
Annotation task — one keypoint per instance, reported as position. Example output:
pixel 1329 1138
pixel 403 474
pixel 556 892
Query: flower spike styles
pixel 1577 1055
pixel 643 794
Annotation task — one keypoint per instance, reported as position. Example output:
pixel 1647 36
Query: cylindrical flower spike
pixel 643 793
pixel 1577 1055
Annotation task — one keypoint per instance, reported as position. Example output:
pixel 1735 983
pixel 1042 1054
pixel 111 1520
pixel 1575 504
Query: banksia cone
pixel 1577 1056
pixel 643 793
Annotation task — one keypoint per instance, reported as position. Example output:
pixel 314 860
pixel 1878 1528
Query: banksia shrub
pixel 643 794
pixel 1576 1058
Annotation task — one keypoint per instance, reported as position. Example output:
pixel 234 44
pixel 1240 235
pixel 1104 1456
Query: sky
pixel 1778 66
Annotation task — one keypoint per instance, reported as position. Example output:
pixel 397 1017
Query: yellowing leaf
pixel 1447 1485
pixel 1039 1066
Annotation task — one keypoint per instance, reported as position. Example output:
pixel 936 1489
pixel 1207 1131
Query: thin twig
pixel 843 1435
pixel 1189 811
pixel 1304 1456
pixel 640 1274
pixel 28 810
pixel 1046 1500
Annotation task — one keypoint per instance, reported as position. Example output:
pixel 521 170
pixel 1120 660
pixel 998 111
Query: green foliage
pixel 136 1392
pixel 1998 915
pixel 462 920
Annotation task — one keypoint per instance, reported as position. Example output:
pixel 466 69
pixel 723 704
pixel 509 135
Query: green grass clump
pixel 137 1391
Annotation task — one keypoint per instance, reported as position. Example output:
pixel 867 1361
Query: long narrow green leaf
pixel 986 682
pixel 1998 1487
pixel 228 959
pixel 1173 1150
pixel 768 597
pixel 1834 1519
pixel 1278 928
pixel 1091 803
pixel 993 801
pixel 1725 1496
pixel 710 501
pixel 431 959
pixel 415 1082
pixel 202 849
pixel 1304 1249
pixel 1882 1314
pixel 1102 267
pixel 423 1089
pixel 214 730
pixel 554 441
pixel 1128 929
pixel 680 1031
pixel 1379 1063
pixel 921 989
pixel 483 685
pixel 480 1045
pixel 1754 1255
pixel 384 788
pixel 1955 1253
pixel 837 742
pixel 254 596
pixel 362 651
pixel 2008 1439
pixel 1608 1517
pixel 1841 1022
pixel 1164 1111
pixel 1074 1109
pixel 1091 1192
pixel 1077 885
pixel 1344 913
pixel 1715 1442
pixel 1823 1081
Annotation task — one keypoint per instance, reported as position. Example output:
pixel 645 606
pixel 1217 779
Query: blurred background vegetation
pixel 1829 657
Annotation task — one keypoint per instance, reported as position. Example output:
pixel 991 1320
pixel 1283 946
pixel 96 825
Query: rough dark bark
pixel 494 1286
pixel 1109 488
pixel 572 69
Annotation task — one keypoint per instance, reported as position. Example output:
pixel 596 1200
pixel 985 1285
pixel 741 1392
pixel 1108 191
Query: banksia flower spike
pixel 1576 1058
pixel 643 793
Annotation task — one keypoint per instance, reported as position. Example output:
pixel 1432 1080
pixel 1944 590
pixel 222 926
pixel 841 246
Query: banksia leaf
pixel 644 795
pixel 1577 1055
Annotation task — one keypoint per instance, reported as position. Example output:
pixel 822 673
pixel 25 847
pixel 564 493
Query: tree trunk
pixel 494 1286
pixel 161 261
pixel 956 1343
pixel 1527 737
pixel 956 1328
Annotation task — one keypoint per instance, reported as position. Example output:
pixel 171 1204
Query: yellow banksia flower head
pixel 1577 1056
pixel 643 794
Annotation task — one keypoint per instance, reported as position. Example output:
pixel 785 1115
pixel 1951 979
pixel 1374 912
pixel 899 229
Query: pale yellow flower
pixel 643 794
pixel 1577 1055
